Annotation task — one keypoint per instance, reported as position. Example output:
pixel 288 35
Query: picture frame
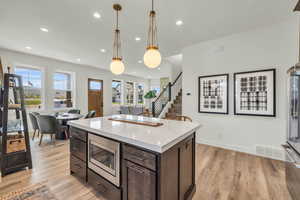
pixel 1 72
pixel 255 93
pixel 213 94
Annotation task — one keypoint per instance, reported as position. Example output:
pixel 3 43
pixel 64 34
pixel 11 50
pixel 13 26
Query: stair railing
pixel 166 95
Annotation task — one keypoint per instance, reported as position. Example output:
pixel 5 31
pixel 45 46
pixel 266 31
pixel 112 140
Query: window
pixel 140 93
pixel 32 84
pixel 129 92
pixel 156 89
pixel 63 90
pixel 116 92
pixel 95 85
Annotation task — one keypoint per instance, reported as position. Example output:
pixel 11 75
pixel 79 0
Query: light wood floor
pixel 221 175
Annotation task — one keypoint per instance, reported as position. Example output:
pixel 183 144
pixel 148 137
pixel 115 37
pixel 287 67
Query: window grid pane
pixel 63 90
pixel 116 92
pixel 140 93
pixel 32 84
pixel 129 92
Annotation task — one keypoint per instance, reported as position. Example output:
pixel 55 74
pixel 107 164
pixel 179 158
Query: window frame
pixel 137 94
pixel 122 92
pixel 73 90
pixel 43 92
pixel 134 94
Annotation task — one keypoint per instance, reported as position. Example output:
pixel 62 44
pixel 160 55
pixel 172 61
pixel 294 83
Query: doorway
pixel 95 96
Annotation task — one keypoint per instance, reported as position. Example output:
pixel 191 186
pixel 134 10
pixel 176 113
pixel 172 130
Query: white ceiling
pixel 74 33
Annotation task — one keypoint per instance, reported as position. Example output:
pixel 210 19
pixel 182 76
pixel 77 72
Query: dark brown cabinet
pixel 186 169
pixel 145 175
pixel 78 167
pixel 150 176
pixel 105 188
pixel 78 150
pixel 138 182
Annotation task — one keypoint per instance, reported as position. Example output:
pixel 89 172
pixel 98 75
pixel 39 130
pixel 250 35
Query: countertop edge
pixel 150 147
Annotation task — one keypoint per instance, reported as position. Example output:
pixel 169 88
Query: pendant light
pixel 152 57
pixel 116 66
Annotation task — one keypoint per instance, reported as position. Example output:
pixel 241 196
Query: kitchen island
pixel 130 161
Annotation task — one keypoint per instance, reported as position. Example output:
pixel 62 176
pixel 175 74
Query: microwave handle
pixel 291 154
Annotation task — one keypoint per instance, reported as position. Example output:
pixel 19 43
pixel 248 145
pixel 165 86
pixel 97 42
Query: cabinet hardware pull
pixel 77 165
pixel 138 157
pixel 137 169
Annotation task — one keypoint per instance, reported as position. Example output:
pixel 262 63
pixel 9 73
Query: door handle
pixel 137 157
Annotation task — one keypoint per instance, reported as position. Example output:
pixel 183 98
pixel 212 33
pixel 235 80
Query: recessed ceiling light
pixel 140 61
pixel 137 39
pixel 97 15
pixel 179 22
pixel 78 59
pixel 28 48
pixel 44 29
pixel 103 50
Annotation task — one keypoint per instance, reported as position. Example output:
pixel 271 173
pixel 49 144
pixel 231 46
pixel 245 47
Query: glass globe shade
pixel 117 67
pixel 152 58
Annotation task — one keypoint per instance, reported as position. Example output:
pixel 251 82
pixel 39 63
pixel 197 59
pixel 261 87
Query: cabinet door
pixel 78 148
pixel 186 168
pixel 139 183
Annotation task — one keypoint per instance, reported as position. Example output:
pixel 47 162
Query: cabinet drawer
pixel 105 188
pixel 140 157
pixel 79 134
pixel 78 148
pixel 78 167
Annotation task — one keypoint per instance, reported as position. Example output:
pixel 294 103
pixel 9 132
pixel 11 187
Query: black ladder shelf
pixel 13 161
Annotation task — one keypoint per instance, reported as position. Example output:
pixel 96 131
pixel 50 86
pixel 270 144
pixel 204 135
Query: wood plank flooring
pixel 221 175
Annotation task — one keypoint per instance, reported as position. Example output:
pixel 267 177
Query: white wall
pixel 82 73
pixel 176 69
pixel 275 46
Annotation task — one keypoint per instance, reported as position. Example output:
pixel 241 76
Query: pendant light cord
pixel 117 25
pixel 152 4
pixel 152 24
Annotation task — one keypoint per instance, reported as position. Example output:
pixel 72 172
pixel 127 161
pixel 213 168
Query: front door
pixel 95 96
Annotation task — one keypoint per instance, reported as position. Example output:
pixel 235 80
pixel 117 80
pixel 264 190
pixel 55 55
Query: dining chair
pixel 90 114
pixel 49 125
pixel 74 111
pixel 34 123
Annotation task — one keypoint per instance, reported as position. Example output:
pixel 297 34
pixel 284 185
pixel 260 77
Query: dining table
pixel 63 119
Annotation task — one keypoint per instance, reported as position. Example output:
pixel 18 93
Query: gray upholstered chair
pixel 90 114
pixel 74 111
pixel 34 123
pixel 49 125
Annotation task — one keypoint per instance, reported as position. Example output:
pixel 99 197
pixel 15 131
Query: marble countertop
pixel 157 139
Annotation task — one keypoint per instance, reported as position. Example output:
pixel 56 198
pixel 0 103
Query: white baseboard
pixel 238 149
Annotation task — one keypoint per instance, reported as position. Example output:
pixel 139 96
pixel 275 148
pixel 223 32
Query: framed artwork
pixel 213 94
pixel 1 72
pixel 255 93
